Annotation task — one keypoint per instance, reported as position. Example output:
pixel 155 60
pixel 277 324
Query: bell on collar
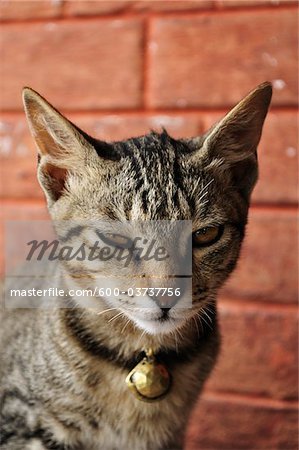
pixel 149 380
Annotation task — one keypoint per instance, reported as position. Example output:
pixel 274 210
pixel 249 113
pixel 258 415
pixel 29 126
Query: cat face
pixel 151 179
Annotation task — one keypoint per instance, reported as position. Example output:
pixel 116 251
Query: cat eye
pixel 115 240
pixel 207 236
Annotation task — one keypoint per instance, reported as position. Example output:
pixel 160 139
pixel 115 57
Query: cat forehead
pixel 153 143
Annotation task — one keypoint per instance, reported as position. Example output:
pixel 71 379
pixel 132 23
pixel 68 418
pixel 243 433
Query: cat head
pixel 206 180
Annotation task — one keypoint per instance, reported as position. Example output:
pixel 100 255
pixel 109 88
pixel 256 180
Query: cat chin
pixel 155 327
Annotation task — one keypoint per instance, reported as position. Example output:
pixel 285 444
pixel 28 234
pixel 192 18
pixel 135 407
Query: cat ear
pixel 230 146
pixel 63 148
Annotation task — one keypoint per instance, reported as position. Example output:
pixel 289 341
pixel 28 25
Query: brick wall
pixel 119 68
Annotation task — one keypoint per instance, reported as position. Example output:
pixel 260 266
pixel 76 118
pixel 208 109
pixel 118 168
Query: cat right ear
pixel 63 148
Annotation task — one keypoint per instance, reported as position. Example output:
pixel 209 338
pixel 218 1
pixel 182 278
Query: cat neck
pixel 123 344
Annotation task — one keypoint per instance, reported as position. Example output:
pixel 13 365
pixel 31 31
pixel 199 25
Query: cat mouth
pixel 158 326
pixel 162 324
pixel 165 315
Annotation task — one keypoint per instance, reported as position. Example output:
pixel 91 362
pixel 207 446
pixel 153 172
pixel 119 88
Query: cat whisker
pixel 140 337
pixel 200 321
pixel 105 311
pixel 125 326
pixel 176 342
pixel 207 307
pixel 203 189
pixel 203 310
pixel 204 320
pixel 116 316
pixel 196 325
pixel 179 333
pixel 202 196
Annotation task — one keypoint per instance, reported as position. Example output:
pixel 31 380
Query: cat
pixel 63 370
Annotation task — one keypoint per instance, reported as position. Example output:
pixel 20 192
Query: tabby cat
pixel 64 370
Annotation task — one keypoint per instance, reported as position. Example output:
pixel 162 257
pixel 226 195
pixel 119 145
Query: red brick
pixel 20 10
pixel 246 3
pixel 86 7
pixel 236 423
pixel 255 358
pixel 278 161
pixel 24 210
pixel 118 127
pixel 172 5
pixel 93 7
pixel 18 152
pixel 11 210
pixel 84 65
pixel 18 159
pixel 213 60
pixel 278 158
pixel 268 267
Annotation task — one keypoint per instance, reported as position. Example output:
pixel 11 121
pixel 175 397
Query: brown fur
pixel 63 378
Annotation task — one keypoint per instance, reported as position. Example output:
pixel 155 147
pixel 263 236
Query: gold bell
pixel 149 380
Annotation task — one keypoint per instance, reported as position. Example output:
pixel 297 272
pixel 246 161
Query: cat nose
pixel 165 293
pixel 166 302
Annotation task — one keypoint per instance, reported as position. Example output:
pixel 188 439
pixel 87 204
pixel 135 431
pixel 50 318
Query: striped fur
pixel 63 370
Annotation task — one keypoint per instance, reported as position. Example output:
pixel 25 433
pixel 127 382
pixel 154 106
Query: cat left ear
pixel 230 146
pixel 55 136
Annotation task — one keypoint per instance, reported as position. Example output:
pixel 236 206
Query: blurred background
pixel 120 68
